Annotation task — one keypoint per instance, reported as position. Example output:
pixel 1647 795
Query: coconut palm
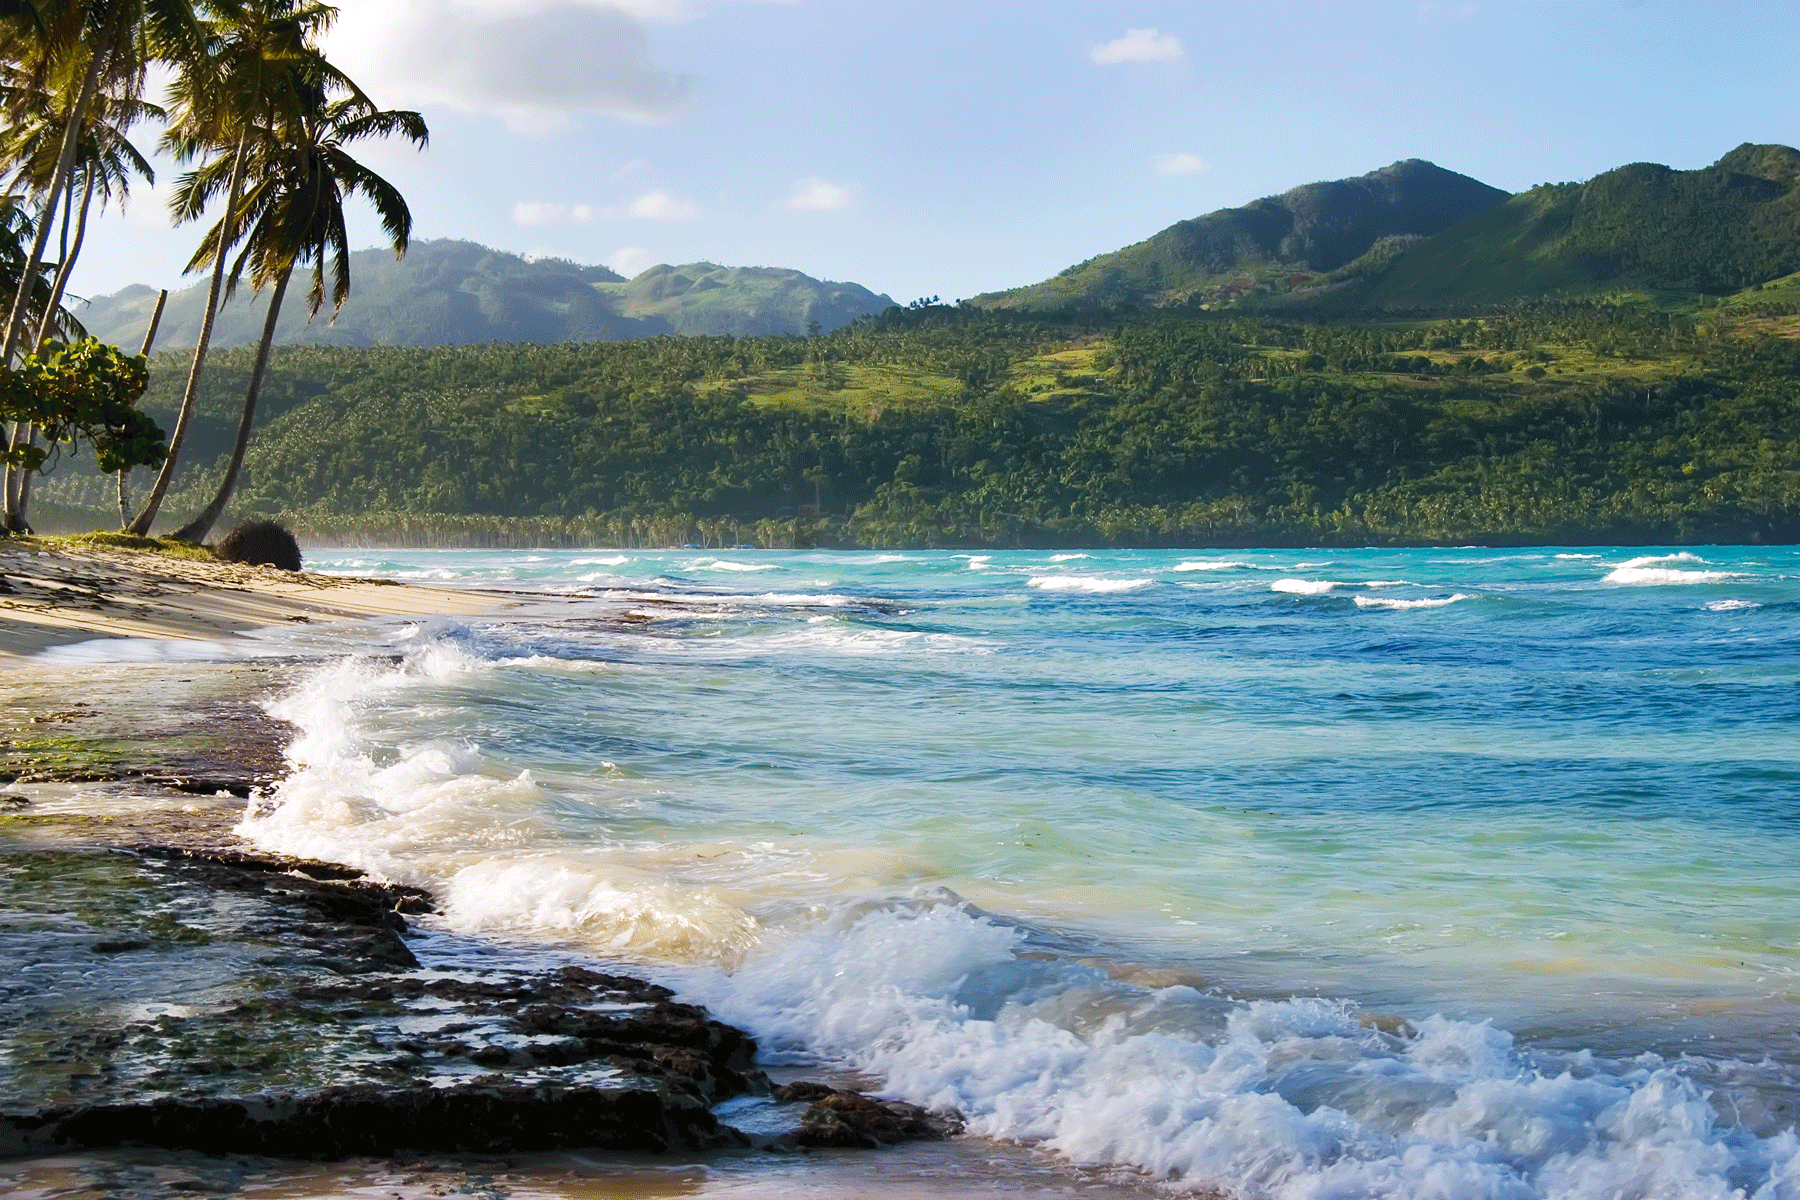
pixel 294 215
pixel 63 58
pixel 259 61
pixel 105 164
pixel 77 50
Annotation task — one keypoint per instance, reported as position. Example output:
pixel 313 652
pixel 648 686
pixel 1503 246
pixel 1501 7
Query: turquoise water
pixel 1299 873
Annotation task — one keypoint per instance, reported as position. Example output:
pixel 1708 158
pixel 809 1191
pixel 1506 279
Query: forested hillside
pixel 1415 239
pixel 1270 247
pixel 1642 229
pixel 942 426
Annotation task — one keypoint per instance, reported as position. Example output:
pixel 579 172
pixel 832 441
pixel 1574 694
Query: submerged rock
pixel 851 1120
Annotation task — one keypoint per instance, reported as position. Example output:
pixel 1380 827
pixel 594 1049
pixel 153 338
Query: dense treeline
pixel 1543 423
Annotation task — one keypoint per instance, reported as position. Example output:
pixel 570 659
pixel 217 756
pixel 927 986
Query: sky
pixel 953 147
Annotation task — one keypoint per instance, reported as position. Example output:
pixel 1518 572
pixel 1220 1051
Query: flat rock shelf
pixel 182 994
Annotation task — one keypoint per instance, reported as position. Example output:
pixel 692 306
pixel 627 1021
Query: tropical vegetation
pixel 261 118
pixel 952 426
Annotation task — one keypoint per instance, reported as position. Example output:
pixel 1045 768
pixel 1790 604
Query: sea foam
pixel 1086 583
pixel 1652 569
pixel 1285 1099
pixel 1385 602
pixel 1305 587
pixel 438 815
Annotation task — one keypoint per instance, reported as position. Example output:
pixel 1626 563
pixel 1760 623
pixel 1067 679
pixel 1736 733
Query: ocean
pixel 1458 873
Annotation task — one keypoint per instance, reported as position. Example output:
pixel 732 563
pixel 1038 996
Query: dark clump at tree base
pixel 260 544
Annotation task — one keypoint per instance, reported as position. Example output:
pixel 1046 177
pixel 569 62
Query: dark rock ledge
pixel 193 996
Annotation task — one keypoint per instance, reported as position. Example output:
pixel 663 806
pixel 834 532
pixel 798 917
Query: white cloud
pixel 532 63
pixel 1139 45
pixel 543 212
pixel 818 195
pixel 1180 164
pixel 630 261
pixel 656 206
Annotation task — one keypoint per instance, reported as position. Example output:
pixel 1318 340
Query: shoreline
pixel 129 894
pixel 57 592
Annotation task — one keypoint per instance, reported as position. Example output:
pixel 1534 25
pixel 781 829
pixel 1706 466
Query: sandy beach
pixel 58 592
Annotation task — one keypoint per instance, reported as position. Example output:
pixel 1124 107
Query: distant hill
pixel 449 292
pixel 1276 244
pixel 1640 228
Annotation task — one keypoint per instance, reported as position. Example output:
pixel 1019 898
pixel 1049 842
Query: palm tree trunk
pixel 141 525
pixel 162 298
pixel 70 252
pixel 196 530
pixel 47 326
pixel 12 519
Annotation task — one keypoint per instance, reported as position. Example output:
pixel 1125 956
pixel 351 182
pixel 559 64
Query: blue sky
pixel 951 147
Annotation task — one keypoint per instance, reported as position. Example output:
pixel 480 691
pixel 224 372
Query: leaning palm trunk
pixel 227 226
pixel 162 298
pixel 196 530
pixel 46 327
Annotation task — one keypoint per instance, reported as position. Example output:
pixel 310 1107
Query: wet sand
pixel 56 593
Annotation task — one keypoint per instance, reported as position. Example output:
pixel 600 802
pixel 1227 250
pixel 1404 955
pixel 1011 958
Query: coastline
pixel 117 852
pixel 57 593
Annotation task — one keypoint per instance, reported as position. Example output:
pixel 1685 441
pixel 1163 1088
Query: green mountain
pixel 450 292
pixel 1641 228
pixel 1277 244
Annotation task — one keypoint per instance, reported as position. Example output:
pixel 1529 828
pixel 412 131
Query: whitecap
pixel 1633 574
pixel 1212 565
pixel 723 564
pixel 616 560
pixel 1730 605
pixel 1578 556
pixel 1068 557
pixel 1648 559
pixel 1086 583
pixel 1279 1098
pixel 1305 587
pixel 1387 603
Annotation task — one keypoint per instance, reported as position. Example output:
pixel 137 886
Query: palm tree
pixel 78 50
pixel 105 162
pixel 64 57
pixel 294 214
pixel 258 60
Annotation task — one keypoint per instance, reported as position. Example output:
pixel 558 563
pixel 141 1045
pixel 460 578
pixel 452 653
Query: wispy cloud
pixel 818 195
pixel 1180 164
pixel 1139 45
pixel 656 206
pixel 630 261
pixel 543 212
pixel 533 64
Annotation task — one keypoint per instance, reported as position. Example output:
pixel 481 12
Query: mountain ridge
pixel 1282 243
pixel 448 291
